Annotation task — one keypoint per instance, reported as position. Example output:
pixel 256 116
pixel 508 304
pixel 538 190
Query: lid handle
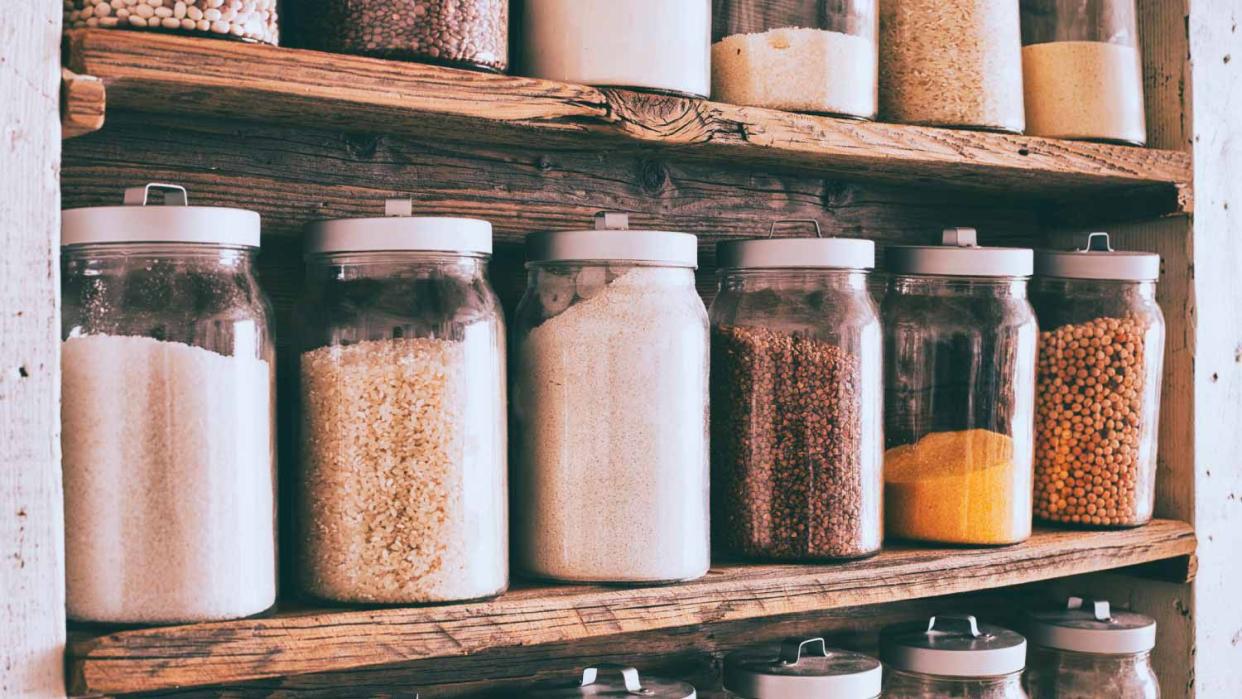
pixel 174 194
pixel 772 229
pixel 1098 607
pixel 792 649
pixel 633 683
pixel 955 624
pixel 1098 242
pixel 612 221
pixel 398 207
pixel 960 237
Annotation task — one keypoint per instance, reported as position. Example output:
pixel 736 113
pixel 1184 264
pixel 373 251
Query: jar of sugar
pixel 610 408
pixel 166 413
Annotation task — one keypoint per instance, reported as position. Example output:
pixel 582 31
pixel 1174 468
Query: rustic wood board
pixel 307 641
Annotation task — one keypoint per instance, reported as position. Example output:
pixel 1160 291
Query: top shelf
pixel 156 73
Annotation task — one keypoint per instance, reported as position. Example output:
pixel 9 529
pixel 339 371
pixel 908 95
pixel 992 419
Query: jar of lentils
pixel 1101 354
pixel 249 20
pixel 459 33
pixel 1087 650
pixel 952 657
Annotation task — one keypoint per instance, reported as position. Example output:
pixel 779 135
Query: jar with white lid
pixel 797 400
pixel 816 56
pixel 403 486
pixel 166 413
pixel 1088 650
pixel 1101 359
pixel 610 680
pixel 960 357
pixel 610 407
pixel 644 44
pixel 801 669
pixel 952 657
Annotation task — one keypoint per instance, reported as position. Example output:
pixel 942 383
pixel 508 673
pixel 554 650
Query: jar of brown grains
pixel 797 434
pixel 1100 362
pixel 403 493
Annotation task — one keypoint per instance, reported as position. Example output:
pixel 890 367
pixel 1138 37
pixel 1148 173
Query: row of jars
pixel 1086 649
pixel 402 488
pixel 1046 67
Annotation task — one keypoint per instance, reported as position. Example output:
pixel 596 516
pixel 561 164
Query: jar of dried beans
pixel 801 668
pixel 403 493
pixel 800 55
pixel 1100 362
pixel 1082 70
pixel 797 400
pixel 954 63
pixel 166 370
pixel 249 20
pixel 610 407
pixel 459 33
pixel 960 357
pixel 952 657
pixel 1087 649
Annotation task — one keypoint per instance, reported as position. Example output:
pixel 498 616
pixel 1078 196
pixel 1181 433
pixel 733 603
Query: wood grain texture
pixel 183 75
pixel 32 597
pixel 82 104
pixel 305 641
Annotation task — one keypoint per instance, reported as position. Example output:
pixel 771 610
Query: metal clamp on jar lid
pixel 1091 626
pixel 953 645
pixel 802 669
pixel 1098 260
pixel 400 230
pixel 959 256
pixel 172 220
pixel 612 240
pixel 796 253
pixel 598 682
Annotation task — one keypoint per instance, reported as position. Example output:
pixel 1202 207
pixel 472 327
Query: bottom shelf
pixel 295 641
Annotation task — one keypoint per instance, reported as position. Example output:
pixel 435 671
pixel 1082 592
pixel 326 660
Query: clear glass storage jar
pixel 815 56
pixel 1101 359
pixel 960 357
pixel 1087 650
pixel 166 412
pixel 797 400
pixel 248 20
pixel 1082 70
pixel 610 408
pixel 952 657
pixel 953 63
pixel 403 484
pixel 801 668
pixel 645 44
pixel 617 681
pixel 458 33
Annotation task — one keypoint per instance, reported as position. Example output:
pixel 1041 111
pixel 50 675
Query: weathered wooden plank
pixel 82 104
pixel 307 641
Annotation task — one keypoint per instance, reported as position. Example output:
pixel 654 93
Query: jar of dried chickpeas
pixel 1098 407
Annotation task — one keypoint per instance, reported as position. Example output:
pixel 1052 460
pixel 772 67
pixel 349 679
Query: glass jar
pixel 610 405
pixel 801 667
pixel 1100 368
pixel 1086 650
pixel 404 456
pixel 797 400
pixel 960 392
pixel 599 681
pixel 252 20
pixel 644 44
pixel 1082 70
pixel 952 63
pixel 459 33
pixel 952 657
pixel 803 56
pixel 167 413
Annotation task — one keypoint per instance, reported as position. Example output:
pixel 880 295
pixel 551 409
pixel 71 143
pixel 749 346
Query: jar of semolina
pixel 1101 354
pixel 960 353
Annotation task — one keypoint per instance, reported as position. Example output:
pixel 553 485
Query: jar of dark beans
pixel 797 439
pixel 460 33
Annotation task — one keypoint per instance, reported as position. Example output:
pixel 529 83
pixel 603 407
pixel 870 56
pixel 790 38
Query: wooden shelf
pixel 305 641
pixel 154 73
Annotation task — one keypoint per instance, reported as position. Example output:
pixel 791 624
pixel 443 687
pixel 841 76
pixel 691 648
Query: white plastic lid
pixel 608 680
pixel 959 256
pixel 1091 626
pixel 954 646
pixel 397 230
pixel 612 240
pixel 1098 260
pixel 796 253
pixel 802 669
pixel 140 220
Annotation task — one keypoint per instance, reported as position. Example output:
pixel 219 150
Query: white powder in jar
pixel 169 482
pixel 1084 90
pixel 611 398
pixel 797 69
